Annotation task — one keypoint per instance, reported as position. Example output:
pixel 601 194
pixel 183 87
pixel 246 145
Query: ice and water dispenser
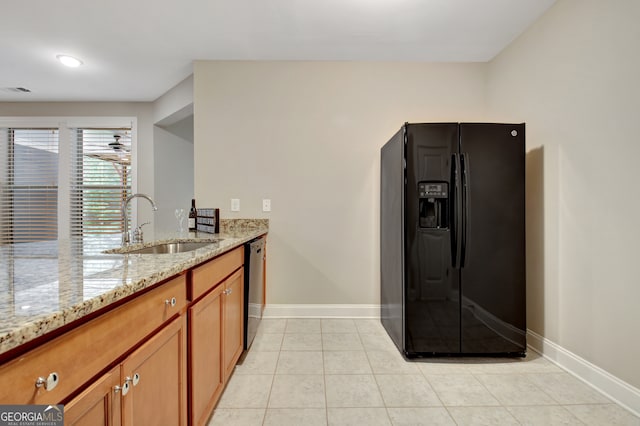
pixel 434 204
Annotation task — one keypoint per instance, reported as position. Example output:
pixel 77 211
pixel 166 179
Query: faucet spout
pixel 126 239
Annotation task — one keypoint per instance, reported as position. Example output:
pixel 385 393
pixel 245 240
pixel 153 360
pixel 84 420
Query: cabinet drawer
pixel 206 276
pixel 77 356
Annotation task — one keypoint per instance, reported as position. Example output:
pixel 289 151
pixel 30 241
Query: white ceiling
pixel 135 50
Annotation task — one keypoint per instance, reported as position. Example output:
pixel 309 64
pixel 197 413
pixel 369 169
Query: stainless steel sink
pixel 172 247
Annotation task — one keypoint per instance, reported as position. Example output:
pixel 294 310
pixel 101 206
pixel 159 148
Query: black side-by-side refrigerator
pixel 452 239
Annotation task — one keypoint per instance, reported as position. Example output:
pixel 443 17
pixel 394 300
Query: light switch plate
pixel 235 204
pixel 266 205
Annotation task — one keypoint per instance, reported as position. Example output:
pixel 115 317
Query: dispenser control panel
pixel 433 203
pixel 432 190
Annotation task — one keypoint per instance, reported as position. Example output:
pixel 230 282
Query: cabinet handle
pixel 49 383
pixel 228 291
pixel 171 302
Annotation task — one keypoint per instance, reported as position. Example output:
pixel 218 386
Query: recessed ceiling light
pixel 69 61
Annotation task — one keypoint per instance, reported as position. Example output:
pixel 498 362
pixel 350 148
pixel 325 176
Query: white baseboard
pixel 621 392
pixel 321 311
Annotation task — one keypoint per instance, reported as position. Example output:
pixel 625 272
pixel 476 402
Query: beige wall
pixel 173 164
pixel 308 135
pixel 573 77
pixel 176 101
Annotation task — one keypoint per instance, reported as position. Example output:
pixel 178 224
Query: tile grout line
pixel 324 378
pixel 273 378
pixel 375 378
pixel 436 393
pixel 272 383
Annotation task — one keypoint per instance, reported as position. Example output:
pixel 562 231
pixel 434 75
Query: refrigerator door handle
pixel 456 246
pixel 465 162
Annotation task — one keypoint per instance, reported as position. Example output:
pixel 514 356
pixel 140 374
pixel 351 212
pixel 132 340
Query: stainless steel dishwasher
pixel 253 288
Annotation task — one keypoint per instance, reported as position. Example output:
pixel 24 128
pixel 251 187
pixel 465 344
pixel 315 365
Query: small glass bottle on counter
pixel 193 213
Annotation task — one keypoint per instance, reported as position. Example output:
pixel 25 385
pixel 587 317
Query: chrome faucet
pixel 126 238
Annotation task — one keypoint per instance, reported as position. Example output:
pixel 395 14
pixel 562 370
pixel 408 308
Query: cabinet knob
pixel 49 383
pixel 228 291
pixel 171 302
pixel 135 380
pixel 124 388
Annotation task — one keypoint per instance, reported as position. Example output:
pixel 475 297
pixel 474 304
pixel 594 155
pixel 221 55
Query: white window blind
pixel 100 180
pixel 28 185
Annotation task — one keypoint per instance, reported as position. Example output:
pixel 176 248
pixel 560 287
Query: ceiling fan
pixel 118 146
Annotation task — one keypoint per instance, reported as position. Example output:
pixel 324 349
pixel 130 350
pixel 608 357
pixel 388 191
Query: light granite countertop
pixel 46 285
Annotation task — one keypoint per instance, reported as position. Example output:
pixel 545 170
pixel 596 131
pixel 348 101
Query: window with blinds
pixel 100 180
pixel 29 161
pixel 62 182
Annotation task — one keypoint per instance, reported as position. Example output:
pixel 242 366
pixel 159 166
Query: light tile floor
pixel 348 372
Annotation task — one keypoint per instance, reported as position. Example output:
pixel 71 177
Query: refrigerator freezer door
pixel 432 283
pixel 493 317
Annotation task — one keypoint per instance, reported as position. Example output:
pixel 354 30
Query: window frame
pixel 65 126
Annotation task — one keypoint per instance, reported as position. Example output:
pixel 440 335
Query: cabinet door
pixel 156 373
pixel 232 314
pixel 98 405
pixel 205 349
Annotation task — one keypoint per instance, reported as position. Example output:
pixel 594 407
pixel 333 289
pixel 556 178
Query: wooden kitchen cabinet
pixel 232 313
pixel 157 375
pixel 147 388
pixel 97 343
pixel 98 405
pixel 209 274
pixel 215 330
pixel 205 351
pixel 161 358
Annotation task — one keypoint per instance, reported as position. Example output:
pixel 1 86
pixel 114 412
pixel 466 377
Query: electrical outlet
pixel 235 204
pixel 266 205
